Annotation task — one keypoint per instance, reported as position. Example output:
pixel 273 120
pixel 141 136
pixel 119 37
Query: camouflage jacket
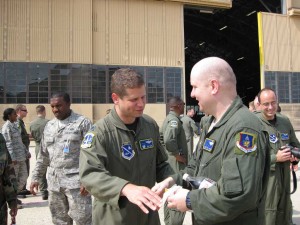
pixel 8 182
pixel 60 150
pixel 23 131
pixel 15 146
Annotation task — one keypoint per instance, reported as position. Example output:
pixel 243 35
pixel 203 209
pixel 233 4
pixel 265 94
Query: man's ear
pixel 214 84
pixel 115 98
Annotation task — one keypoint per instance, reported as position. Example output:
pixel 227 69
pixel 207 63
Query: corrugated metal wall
pixel 115 32
pixel 281 42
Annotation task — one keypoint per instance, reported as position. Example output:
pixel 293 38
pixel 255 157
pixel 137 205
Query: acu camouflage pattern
pixel 15 146
pixel 8 182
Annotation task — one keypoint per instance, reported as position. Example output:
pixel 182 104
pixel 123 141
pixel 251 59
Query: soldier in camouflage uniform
pixel 15 146
pixel 60 149
pixel 36 129
pixel 176 145
pixel 21 111
pixel 8 184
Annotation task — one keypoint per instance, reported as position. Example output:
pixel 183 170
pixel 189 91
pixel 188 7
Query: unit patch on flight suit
pixel 273 138
pixel 174 123
pixel 284 136
pixel 209 144
pixel 127 151
pixel 88 140
pixel 146 144
pixel 245 143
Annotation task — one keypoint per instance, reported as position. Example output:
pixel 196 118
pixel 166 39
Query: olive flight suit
pixel 113 156
pixel 234 154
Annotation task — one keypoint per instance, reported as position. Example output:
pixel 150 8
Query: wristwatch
pixel 188 201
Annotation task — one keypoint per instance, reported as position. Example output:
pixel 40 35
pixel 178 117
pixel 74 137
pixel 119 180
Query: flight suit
pixel 113 156
pixel 234 154
pixel 278 209
pixel 8 182
pixel 175 143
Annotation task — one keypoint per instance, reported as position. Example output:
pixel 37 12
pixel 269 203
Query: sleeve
pixel 9 144
pixel 170 137
pixel 93 173
pixel 239 188
pixel 293 138
pixel 10 183
pixel 43 161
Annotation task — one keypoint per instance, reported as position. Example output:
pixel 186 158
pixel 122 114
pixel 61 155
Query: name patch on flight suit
pixel 127 151
pixel 273 138
pixel 173 123
pixel 146 144
pixel 209 144
pixel 87 141
pixel 284 136
pixel 245 143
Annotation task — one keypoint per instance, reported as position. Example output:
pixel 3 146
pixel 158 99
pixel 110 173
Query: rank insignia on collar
pixel 146 144
pixel 246 143
pixel 87 141
pixel 127 151
pixel 273 138
pixel 284 136
pixel 209 144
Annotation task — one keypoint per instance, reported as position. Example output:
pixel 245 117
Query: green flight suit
pixel 113 156
pixel 36 129
pixel 175 143
pixel 8 182
pixel 190 129
pixel 234 154
pixel 278 208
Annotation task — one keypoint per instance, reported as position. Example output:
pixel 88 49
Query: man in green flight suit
pixel 36 129
pixel 176 146
pixel 8 184
pixel 122 157
pixel 278 208
pixel 231 156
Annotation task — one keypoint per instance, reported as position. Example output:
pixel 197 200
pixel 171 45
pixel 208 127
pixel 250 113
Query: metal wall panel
pixel 270 42
pixel 283 38
pixel 17 35
pixel 2 13
pixel 207 3
pixel 295 43
pixel 39 31
pixel 81 38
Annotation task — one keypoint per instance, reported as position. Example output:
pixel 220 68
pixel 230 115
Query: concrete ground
pixel 36 211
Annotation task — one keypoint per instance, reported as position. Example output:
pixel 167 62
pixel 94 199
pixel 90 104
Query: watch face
pixel 188 201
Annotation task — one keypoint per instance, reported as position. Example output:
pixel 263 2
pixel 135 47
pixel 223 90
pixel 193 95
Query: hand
pixel 34 185
pixel 177 200
pixel 283 154
pixel 28 155
pixel 159 188
pixel 13 212
pixel 83 191
pixel 142 197
pixel 15 162
pixel 180 158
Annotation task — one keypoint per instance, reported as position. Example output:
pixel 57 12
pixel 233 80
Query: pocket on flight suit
pixel 231 178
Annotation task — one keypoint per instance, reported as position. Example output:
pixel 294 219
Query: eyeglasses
pixel 267 104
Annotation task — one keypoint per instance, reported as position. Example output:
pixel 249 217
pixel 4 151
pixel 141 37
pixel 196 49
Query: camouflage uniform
pixel 36 129
pixel 8 183
pixel 60 149
pixel 17 151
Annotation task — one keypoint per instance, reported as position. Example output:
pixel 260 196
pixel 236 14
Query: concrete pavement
pixel 36 210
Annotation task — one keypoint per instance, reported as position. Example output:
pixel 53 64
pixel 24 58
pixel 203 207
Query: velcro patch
pixel 146 144
pixel 174 123
pixel 273 138
pixel 246 143
pixel 127 151
pixel 209 144
pixel 88 140
pixel 284 136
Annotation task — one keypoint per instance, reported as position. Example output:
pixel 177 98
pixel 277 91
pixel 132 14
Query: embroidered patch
pixel 173 123
pixel 146 144
pixel 246 143
pixel 127 151
pixel 273 138
pixel 284 136
pixel 87 141
pixel 208 144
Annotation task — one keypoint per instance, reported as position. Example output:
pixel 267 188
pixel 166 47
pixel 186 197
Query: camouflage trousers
pixel 68 205
pixel 21 174
pixel 3 214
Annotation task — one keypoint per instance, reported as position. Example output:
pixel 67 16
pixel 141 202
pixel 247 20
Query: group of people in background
pixel 242 159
